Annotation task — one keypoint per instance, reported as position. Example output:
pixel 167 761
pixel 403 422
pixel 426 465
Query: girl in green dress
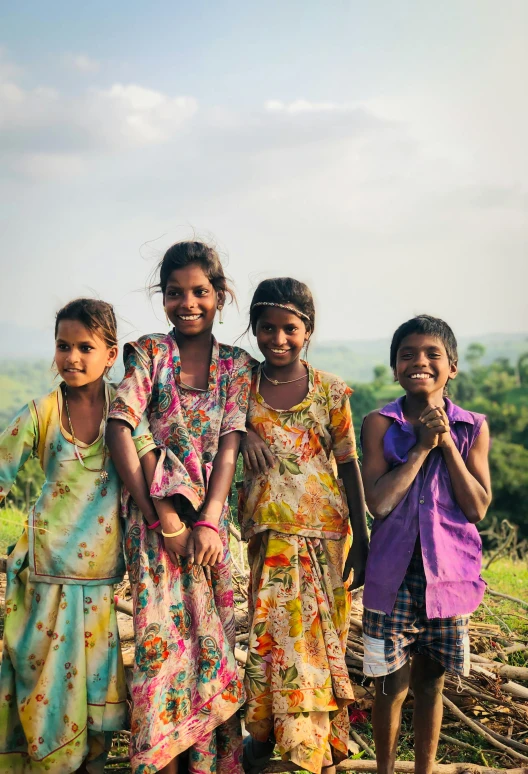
pixel 62 686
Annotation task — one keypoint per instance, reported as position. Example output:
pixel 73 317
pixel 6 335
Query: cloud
pixel 304 106
pixel 83 63
pixel 43 121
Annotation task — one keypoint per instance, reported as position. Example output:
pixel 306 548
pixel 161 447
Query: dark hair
pixel 282 290
pixel 184 254
pixel 97 316
pixel 429 326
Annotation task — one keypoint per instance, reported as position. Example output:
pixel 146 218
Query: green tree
pixel 522 369
pixel 381 376
pixel 475 353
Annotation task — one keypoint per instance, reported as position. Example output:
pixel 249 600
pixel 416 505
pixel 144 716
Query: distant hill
pixel 354 361
pixel 25 360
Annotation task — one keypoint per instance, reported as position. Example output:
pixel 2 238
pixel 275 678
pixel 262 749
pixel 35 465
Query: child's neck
pixel 195 358
pixel 414 405
pixel 89 394
pixel 194 345
pixel 286 372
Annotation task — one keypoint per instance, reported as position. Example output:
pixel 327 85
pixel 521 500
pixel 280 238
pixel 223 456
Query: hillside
pixel 27 375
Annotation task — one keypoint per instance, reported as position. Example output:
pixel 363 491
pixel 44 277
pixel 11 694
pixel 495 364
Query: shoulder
pixel 235 358
pixel 333 386
pixel 46 403
pixel 458 414
pixel 150 345
pixel 376 423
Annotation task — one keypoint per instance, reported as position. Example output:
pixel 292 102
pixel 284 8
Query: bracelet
pixel 207 524
pixel 174 534
pixel 153 526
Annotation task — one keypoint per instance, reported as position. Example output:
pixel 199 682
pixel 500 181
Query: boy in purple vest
pixel 427 484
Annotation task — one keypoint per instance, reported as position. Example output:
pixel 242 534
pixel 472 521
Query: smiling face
pixel 191 301
pixel 422 364
pixel 281 335
pixel 81 355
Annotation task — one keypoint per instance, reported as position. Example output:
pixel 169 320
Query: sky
pixel 376 151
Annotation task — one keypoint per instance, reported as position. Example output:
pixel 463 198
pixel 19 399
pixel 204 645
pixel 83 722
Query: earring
pixel 167 318
pixel 220 315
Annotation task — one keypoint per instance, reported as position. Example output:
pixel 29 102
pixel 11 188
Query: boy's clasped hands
pixel 434 430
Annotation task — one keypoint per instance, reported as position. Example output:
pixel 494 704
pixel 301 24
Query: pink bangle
pixel 153 526
pixel 207 524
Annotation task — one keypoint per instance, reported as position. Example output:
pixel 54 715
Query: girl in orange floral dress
pixel 301 483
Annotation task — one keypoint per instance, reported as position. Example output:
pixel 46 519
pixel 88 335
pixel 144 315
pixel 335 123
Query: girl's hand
pixel 177 546
pixel 433 424
pixel 256 453
pixel 357 562
pixel 205 546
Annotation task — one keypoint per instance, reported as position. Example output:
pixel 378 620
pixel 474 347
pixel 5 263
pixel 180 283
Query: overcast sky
pixel 377 151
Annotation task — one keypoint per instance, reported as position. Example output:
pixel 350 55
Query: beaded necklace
pixel 103 474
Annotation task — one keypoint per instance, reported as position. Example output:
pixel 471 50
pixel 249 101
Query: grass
pixel 11 525
pixel 511 578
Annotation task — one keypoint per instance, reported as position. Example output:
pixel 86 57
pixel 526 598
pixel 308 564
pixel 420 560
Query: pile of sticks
pixel 492 702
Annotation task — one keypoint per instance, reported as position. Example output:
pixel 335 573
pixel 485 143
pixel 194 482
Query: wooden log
pixel 471 723
pixel 241 656
pixel 504 670
pixel 361 742
pixel 403 767
pixel 123 607
pixel 507 596
pixel 508 741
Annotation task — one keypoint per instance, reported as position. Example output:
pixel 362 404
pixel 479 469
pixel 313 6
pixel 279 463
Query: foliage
pixel 11 525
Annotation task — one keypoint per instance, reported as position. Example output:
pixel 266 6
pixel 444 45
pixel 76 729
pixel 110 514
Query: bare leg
pixel 386 716
pixel 427 682
pixel 170 768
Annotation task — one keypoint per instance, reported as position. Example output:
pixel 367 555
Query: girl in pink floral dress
pixel 194 391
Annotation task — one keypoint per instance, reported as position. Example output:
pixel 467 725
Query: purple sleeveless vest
pixel 451 546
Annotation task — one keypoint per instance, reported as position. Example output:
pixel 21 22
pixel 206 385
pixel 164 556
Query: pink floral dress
pixel 186 688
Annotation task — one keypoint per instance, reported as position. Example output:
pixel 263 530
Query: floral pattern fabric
pixel 185 688
pixel 295 517
pixel 62 684
pixel 297 682
pixel 301 494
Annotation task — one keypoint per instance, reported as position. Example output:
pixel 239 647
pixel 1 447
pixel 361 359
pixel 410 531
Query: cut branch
pixel 475 727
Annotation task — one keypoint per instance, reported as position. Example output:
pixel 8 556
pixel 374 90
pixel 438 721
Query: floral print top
pixel 301 494
pixel 74 529
pixel 185 423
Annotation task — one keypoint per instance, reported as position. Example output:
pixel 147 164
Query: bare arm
pixel 385 488
pixel 126 461
pixel 205 544
pixel 470 480
pixel 357 558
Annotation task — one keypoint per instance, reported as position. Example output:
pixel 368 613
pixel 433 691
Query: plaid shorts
pixel 390 640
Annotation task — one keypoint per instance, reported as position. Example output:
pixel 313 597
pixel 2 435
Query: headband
pixel 283 306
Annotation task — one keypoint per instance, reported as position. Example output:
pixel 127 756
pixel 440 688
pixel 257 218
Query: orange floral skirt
pixel 296 678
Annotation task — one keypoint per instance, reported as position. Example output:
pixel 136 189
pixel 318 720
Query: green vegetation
pixel 20 382
pixel 11 525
